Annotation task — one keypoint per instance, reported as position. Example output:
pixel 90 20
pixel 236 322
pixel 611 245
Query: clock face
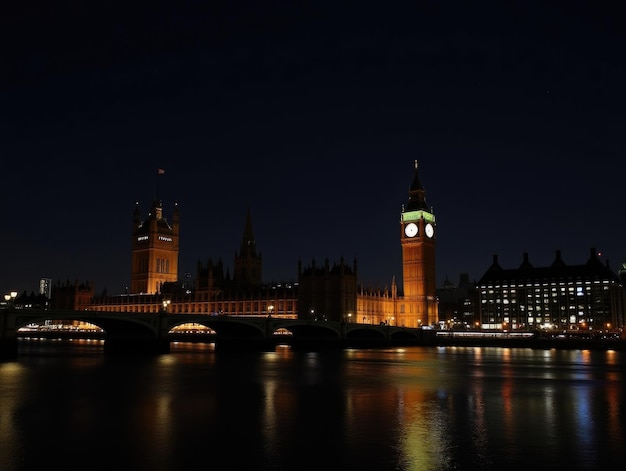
pixel 410 229
pixel 430 230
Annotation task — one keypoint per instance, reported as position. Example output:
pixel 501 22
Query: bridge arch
pixel 109 324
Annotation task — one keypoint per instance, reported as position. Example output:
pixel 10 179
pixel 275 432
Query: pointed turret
pixel 248 244
pixel 417 194
pixel 248 263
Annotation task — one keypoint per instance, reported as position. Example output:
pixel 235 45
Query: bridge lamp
pixel 349 317
pixel 166 304
pixel 270 309
pixel 10 297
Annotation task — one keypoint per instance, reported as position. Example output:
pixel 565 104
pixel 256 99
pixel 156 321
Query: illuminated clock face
pixel 410 229
pixel 430 230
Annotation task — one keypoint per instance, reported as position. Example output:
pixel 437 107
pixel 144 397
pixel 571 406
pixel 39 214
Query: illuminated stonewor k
pixel 418 306
pixel 155 249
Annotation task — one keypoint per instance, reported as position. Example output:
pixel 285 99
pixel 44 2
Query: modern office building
pixel 457 303
pixel 560 296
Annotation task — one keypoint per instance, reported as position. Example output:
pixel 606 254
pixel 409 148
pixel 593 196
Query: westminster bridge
pixel 129 332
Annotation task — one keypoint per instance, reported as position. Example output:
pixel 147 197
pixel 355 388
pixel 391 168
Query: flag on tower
pixel 160 171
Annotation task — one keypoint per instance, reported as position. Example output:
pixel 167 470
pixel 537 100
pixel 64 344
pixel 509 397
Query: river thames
pixel 67 405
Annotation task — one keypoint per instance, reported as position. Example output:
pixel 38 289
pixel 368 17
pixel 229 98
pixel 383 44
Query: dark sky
pixel 310 114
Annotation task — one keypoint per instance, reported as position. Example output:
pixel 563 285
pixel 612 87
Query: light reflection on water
pixel 415 408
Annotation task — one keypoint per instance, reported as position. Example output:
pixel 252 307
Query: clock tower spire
pixel 418 240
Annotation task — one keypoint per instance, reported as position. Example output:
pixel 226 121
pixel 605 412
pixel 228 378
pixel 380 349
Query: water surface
pixel 68 405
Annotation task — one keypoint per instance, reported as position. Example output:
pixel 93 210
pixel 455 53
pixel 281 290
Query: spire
pixel 248 244
pixel 248 264
pixel 417 194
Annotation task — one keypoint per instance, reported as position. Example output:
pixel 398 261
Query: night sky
pixel 311 114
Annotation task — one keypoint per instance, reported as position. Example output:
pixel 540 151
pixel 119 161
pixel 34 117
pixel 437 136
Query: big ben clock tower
pixel 418 239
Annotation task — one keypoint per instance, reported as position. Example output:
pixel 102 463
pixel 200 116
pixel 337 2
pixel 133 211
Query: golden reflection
pixel 11 377
pixel 406 405
pixel 188 349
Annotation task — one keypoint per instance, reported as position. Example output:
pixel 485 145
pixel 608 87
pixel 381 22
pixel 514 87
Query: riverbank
pixel 537 342
pixel 534 342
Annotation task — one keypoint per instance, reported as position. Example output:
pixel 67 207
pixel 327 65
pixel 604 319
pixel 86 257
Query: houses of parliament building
pixel 560 296
pixel 322 291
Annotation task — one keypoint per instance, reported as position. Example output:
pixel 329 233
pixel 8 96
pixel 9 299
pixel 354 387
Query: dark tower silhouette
pixel 328 292
pixel 248 263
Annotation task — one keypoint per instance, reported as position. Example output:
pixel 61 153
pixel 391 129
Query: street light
pixel 270 309
pixel 166 304
pixel 349 317
pixel 10 297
